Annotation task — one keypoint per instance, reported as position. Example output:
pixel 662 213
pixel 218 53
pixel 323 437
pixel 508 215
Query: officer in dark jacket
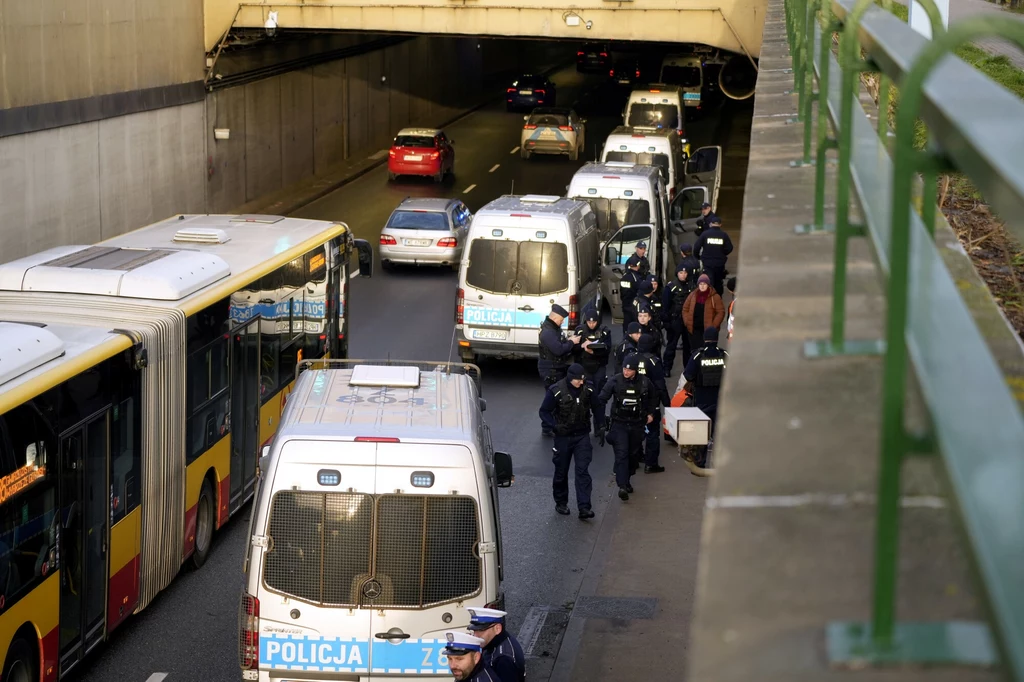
pixel 649 297
pixel 555 351
pixel 651 367
pixel 502 653
pixel 707 217
pixel 713 248
pixel 634 403
pixel 627 345
pixel 686 258
pixel 566 410
pixel 675 296
pixel 705 371
pixel 641 254
pixel 629 287
pixel 648 326
pixel 594 357
pixel 466 658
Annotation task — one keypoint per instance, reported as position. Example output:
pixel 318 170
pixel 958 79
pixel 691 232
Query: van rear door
pixel 614 255
pixel 704 167
pixel 490 306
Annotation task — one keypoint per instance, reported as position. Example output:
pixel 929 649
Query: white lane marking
pixel 815 499
pixel 156 677
pixel 354 275
pixel 514 150
pixel 469 189
pixel 494 167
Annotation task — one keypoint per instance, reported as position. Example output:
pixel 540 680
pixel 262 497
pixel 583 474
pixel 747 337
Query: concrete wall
pixel 54 50
pixel 84 183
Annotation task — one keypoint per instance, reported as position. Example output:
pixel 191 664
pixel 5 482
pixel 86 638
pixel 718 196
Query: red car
pixel 421 151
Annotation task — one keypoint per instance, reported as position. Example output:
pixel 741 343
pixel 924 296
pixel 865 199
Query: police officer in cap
pixel 707 217
pixel 686 258
pixel 594 356
pixel 705 371
pixel 649 297
pixel 713 248
pixel 675 295
pixel 629 287
pixel 566 411
pixel 651 367
pixel 641 254
pixel 466 658
pixel 501 653
pixel 648 326
pixel 626 346
pixel 555 350
pixel 634 404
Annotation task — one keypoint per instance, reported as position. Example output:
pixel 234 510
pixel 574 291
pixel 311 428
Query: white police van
pixel 663 149
pixel 523 254
pixel 375 524
pixel 656 106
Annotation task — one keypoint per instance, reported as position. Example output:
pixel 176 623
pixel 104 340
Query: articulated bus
pixel 138 379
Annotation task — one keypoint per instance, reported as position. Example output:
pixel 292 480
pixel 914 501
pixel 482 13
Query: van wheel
pixel 205 510
pixel 525 153
pixel 20 665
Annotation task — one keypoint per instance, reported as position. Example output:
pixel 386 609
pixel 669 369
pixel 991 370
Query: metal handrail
pixel 976 425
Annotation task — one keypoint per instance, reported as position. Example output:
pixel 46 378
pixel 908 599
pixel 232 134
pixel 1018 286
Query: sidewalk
pixel 964 9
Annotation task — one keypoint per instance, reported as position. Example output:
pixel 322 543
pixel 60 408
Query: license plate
pixel 526 92
pixel 415 157
pixel 592 54
pixel 491 334
pixel 416 242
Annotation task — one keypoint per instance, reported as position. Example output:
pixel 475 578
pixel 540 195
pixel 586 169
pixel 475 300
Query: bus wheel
pixel 19 666
pixel 204 525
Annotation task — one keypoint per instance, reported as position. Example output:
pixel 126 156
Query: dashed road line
pixel 354 275
pixel 469 189
pixel 494 167
pixel 156 677
pixel 514 150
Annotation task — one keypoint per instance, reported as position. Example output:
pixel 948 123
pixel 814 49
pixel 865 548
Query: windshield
pixel 643 159
pixel 552 120
pixel 523 268
pixel 422 141
pixel 686 76
pixel 418 220
pixel 653 116
pixel 614 213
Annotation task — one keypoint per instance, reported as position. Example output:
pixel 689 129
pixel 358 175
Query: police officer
pixel 686 257
pixel 633 408
pixel 628 289
pixel 641 254
pixel 705 371
pixel 707 217
pixel 555 351
pixel 713 248
pixel 502 652
pixel 594 357
pixel 651 367
pixel 647 326
pixel 566 410
pixel 626 346
pixel 466 658
pixel 675 295
pixel 649 296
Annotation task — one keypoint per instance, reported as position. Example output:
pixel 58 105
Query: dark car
pixel 625 72
pixel 592 58
pixel 529 91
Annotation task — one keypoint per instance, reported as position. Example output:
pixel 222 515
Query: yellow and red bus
pixel 138 379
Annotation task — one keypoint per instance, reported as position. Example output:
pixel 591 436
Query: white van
pixel 523 254
pixel 664 149
pixel 657 106
pixel 375 524
pixel 687 72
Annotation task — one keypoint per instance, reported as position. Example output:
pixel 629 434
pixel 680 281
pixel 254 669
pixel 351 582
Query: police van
pixel 685 71
pixel 664 149
pixel 657 106
pixel 523 254
pixel 375 524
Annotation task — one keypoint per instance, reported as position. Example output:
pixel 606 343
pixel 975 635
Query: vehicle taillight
pixel 249 634
pixel 574 312
pixel 671 192
pixel 391 153
pixel 540 92
pixel 579 53
pixel 604 54
pixel 565 127
pixel 434 155
pixel 460 300
pixel 511 90
pixel 638 73
pixel 611 72
pixel 448 242
pixel 529 126
pixel 680 132
pixel 388 240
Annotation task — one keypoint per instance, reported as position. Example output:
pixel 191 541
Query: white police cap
pixel 481 618
pixel 461 643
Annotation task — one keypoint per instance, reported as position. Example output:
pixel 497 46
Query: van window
pixel 587 256
pixel 686 76
pixel 643 159
pixel 323 551
pixel 419 220
pixel 618 251
pixel 532 268
pixel 643 115
pixel 614 213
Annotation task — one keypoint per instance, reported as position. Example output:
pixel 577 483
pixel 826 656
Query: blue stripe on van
pixel 340 654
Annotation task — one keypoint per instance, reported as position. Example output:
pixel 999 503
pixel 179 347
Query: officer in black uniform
pixel 594 357
pixel 626 346
pixel 641 253
pixel 651 367
pixel 707 217
pixel 686 257
pixel 466 658
pixel 633 408
pixel 566 410
pixel 555 351
pixel 713 248
pixel 628 289
pixel 648 326
pixel 675 295
pixel 502 653
pixel 649 297
pixel 705 371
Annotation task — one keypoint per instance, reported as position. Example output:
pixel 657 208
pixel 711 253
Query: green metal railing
pixel 976 429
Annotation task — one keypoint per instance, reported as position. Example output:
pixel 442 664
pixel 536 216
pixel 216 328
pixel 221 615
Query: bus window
pixel 125 461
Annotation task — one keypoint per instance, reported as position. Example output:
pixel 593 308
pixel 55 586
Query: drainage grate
pixel 620 608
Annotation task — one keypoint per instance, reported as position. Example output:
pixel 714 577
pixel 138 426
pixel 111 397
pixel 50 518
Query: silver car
pixel 425 232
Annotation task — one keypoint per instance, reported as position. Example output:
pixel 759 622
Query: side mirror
pixel 365 258
pixel 483 404
pixel 503 469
